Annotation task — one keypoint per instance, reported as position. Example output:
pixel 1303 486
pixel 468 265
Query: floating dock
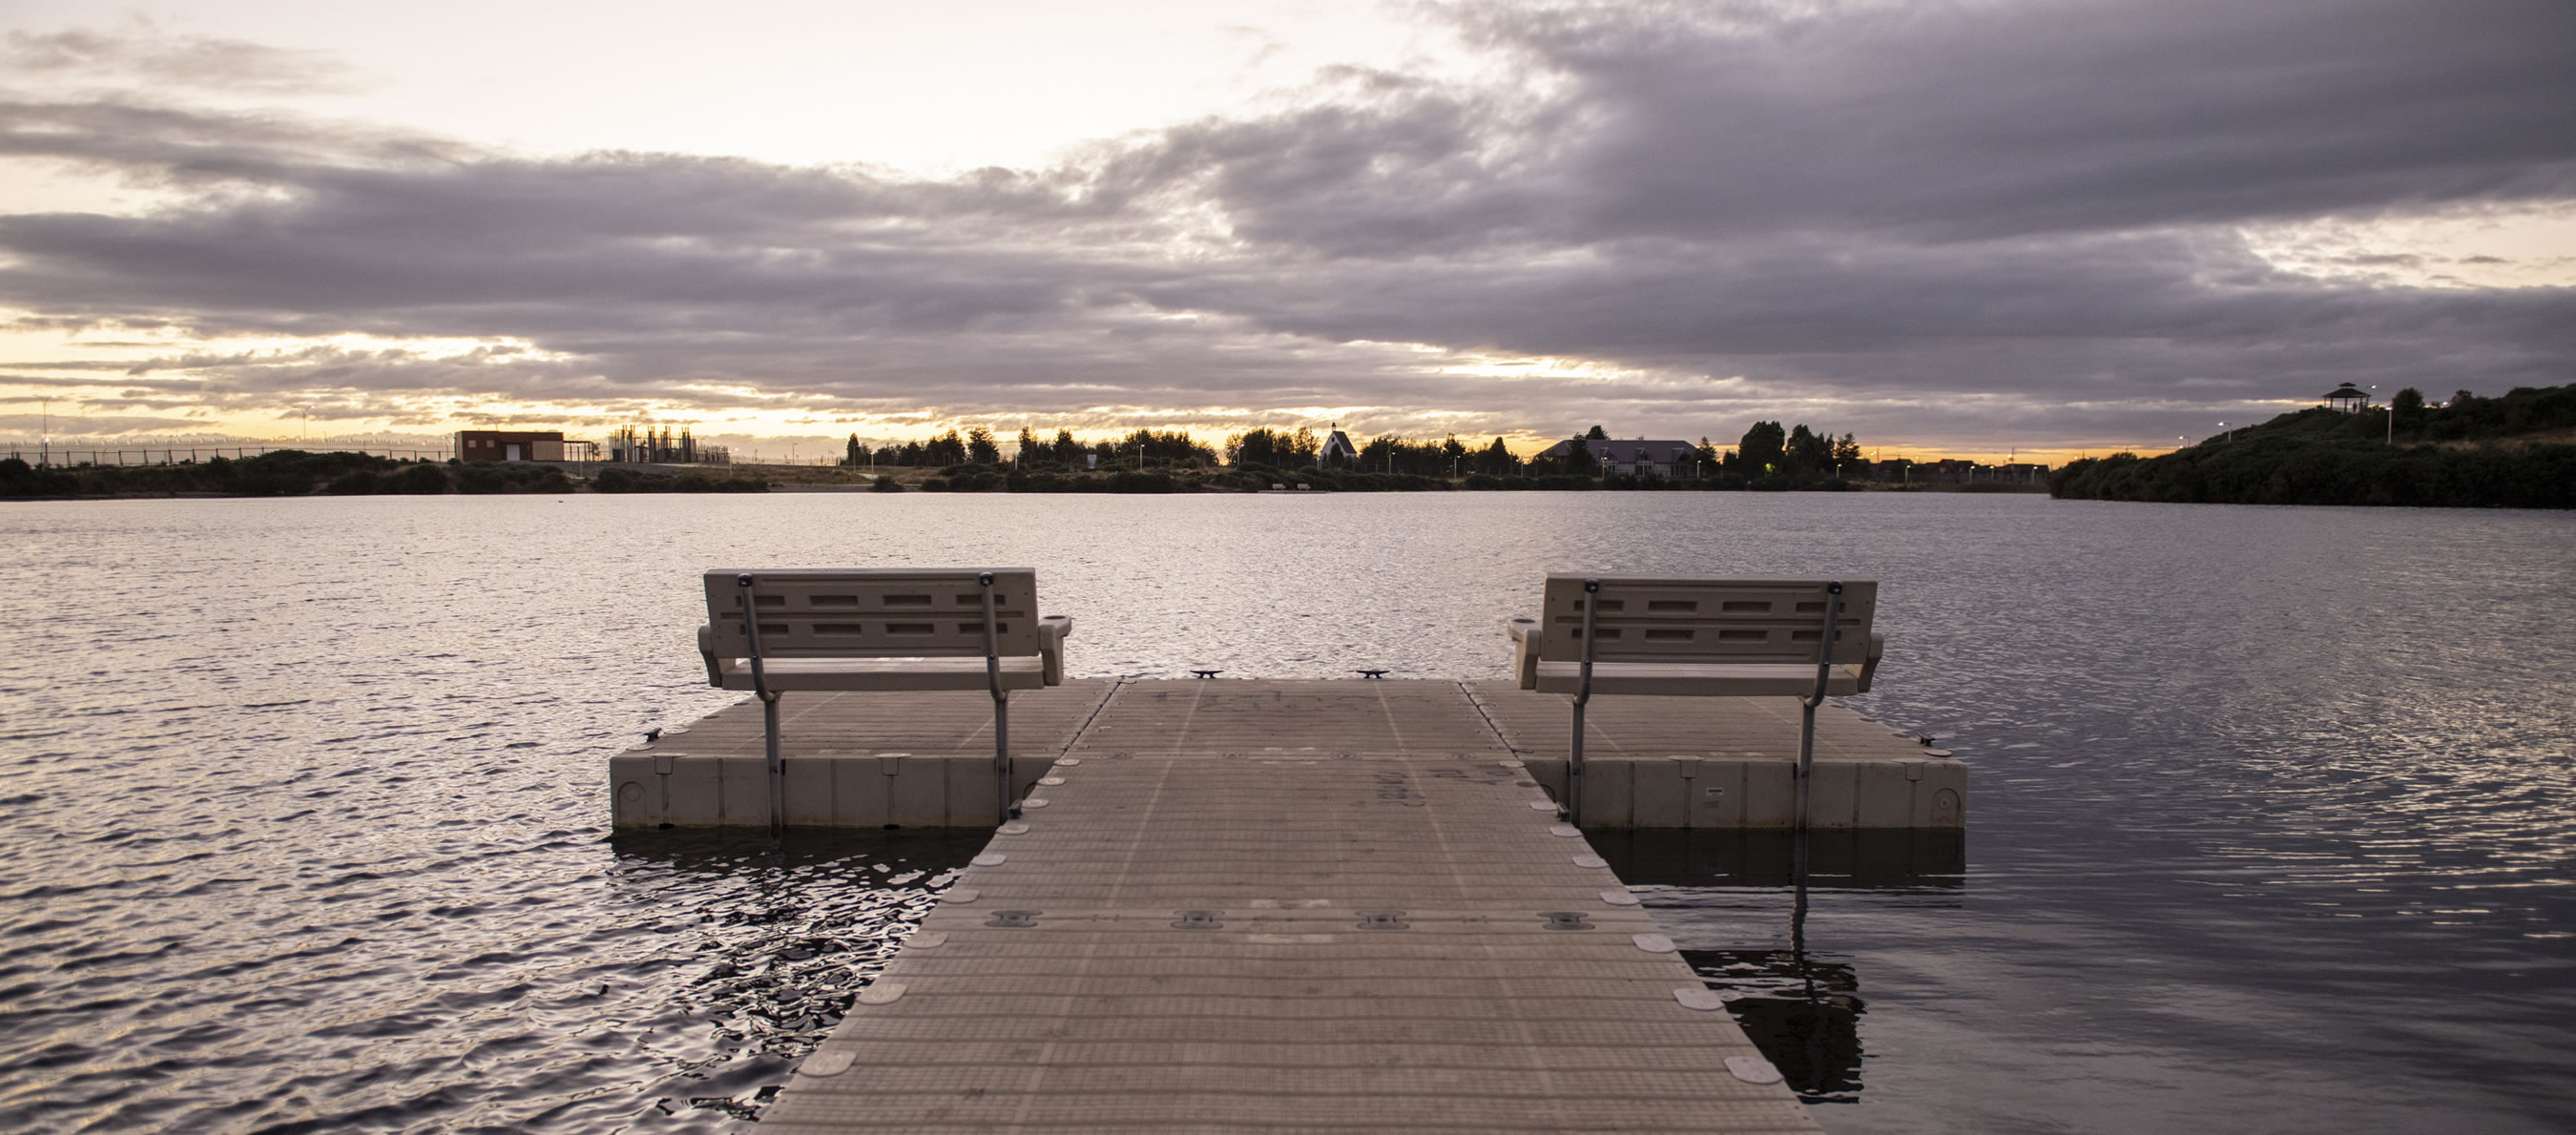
pixel 1331 905
pixel 866 760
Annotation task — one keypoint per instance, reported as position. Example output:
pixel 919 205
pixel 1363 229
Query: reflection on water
pixel 1801 1011
pixel 1804 1015
pixel 305 803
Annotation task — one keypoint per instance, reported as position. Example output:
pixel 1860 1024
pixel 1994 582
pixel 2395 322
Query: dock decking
pixel 1342 905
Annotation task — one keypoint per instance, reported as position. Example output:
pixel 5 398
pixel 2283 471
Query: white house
pixel 1337 448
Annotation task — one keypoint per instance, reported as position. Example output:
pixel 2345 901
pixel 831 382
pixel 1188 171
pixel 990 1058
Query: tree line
pixel 1766 452
pixel 977 446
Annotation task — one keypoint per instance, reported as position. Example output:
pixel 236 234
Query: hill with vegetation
pixel 2470 452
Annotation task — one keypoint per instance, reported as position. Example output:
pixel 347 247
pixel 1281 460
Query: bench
pixel 880 629
pixel 1808 639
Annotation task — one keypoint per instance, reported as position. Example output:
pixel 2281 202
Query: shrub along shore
pixel 295 473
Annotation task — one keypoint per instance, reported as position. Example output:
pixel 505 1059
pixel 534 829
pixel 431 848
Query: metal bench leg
pixel 1807 718
pixel 1002 752
pixel 1806 755
pixel 1001 701
pixel 777 768
pixel 1573 810
pixel 768 706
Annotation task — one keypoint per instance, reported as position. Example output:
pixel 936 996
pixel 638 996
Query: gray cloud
pixel 141 51
pixel 2007 222
pixel 1942 122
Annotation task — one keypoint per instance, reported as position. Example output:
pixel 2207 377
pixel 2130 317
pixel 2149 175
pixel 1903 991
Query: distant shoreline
pixel 291 473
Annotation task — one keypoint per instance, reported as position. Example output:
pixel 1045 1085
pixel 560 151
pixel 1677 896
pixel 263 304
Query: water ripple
pixel 2270 824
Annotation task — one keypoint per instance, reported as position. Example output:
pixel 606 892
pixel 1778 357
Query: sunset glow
pixel 2028 228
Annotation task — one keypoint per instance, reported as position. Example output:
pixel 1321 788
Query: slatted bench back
pixel 1646 619
pixel 873 613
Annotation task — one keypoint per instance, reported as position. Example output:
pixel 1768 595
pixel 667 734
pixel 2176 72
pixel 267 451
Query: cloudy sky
pixel 1967 227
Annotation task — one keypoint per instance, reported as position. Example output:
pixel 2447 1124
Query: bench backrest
pixel 873 613
pixel 1647 619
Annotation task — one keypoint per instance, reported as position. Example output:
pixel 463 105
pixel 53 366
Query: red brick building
pixel 509 445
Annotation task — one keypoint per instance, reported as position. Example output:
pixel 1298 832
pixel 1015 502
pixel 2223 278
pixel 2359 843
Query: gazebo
pixel 2347 398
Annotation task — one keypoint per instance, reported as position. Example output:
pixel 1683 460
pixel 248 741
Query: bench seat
pixel 1019 672
pixel 1702 679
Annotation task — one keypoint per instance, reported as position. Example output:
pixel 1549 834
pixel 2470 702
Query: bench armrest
pixel 1052 631
pixel 1525 640
pixel 707 651
pixel 1869 666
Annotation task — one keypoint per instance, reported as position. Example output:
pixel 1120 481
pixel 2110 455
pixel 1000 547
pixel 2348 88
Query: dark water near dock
pixel 2271 820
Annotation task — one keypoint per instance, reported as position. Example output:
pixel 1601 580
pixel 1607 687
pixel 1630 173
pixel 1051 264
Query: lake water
pixel 2270 819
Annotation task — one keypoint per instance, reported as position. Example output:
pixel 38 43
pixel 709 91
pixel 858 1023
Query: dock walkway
pixel 1285 906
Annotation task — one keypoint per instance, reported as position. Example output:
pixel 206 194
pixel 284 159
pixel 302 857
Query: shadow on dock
pixel 719 853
